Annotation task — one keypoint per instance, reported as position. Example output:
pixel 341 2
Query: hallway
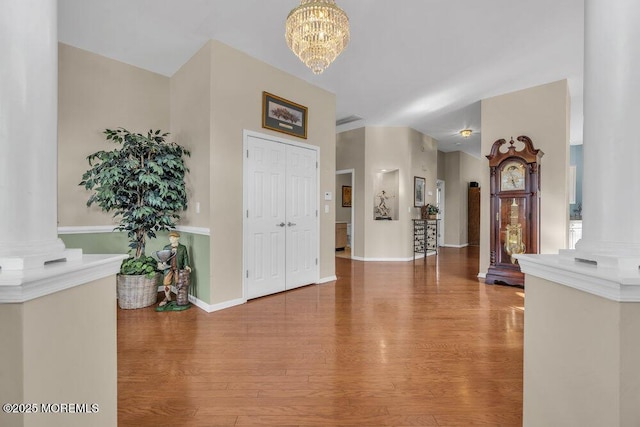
pixel 399 344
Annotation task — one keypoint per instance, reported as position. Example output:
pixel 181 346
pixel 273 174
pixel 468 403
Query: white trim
pixel 455 246
pixel 353 203
pixel 247 133
pixel 203 231
pixel 482 275
pixel 419 256
pixel 87 229
pixel 440 187
pixel 24 285
pixel 327 279
pixel 209 308
pixel 612 283
pixel 90 229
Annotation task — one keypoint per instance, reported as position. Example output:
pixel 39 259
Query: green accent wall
pixel 116 243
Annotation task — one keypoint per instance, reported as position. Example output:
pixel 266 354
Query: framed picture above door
pixel 283 115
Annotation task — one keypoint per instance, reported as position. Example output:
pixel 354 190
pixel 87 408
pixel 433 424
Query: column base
pixel 26 262
pixel 619 255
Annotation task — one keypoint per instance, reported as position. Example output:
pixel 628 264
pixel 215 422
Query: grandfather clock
pixel 515 209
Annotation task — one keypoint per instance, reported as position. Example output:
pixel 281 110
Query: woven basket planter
pixel 137 291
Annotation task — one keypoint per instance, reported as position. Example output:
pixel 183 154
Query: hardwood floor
pixel 387 344
pixel 346 253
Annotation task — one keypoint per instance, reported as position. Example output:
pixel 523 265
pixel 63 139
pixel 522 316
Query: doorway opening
pixel 280 221
pixel 345 212
pixel 441 210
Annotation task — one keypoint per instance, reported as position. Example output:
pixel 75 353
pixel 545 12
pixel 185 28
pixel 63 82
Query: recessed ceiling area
pixel 416 63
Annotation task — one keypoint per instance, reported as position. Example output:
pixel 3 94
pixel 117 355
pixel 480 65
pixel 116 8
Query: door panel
pixel 266 167
pixel 302 217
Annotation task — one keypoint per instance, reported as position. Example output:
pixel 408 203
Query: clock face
pixel 512 176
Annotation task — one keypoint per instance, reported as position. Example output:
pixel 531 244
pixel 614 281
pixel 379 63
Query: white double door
pixel 281 219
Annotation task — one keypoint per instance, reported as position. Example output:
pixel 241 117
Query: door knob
pixel 282 224
pixel 291 224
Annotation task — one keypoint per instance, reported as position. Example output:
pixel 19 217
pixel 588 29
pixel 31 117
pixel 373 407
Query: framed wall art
pixel 283 116
pixel 419 184
pixel 346 196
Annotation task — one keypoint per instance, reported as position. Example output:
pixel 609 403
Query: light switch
pixel 326 208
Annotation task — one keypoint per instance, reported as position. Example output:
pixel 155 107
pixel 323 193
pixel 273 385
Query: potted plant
pixel 141 183
pixel 429 211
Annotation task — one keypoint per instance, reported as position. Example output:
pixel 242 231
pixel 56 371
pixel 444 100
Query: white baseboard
pixel 418 256
pixel 482 275
pixel 327 279
pixel 209 308
pixel 456 246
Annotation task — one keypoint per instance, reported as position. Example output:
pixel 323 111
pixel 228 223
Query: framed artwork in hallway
pixel 346 196
pixel 419 184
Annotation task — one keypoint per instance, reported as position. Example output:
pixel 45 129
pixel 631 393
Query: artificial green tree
pixel 142 183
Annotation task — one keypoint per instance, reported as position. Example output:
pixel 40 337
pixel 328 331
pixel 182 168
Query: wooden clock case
pixel 515 209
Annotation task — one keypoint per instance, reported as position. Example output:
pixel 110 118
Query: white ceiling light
pixel 466 133
pixel 317 31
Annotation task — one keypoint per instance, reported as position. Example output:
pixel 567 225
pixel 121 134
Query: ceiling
pixel 425 64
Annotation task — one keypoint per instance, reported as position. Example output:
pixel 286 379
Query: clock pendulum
pixel 513 241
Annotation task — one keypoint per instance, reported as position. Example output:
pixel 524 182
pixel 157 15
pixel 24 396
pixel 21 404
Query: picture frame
pixel 284 116
pixel 346 196
pixel 419 185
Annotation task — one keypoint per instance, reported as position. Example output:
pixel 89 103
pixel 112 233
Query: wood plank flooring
pixel 387 344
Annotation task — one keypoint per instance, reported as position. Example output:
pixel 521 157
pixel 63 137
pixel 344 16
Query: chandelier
pixel 317 31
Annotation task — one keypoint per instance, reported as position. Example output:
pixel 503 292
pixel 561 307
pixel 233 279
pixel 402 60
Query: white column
pixel 28 134
pixel 577 312
pixel 611 221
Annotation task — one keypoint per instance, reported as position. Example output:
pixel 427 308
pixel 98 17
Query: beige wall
pixel 191 127
pixel 237 83
pixel 471 169
pixel 96 93
pixel 368 151
pixel 342 214
pixel 459 170
pixel 424 163
pixel 542 114
pixel 452 199
pixel 441 167
pixel 387 148
pixel 206 105
pixel 350 148
pixel 61 349
pixel 11 355
pixel 580 358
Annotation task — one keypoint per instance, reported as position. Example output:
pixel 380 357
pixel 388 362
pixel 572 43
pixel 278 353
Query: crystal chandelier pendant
pixel 317 31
